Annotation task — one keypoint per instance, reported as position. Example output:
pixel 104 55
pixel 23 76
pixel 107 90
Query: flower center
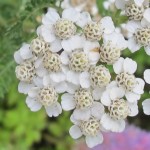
pixel 119 109
pixel 127 81
pixel 92 31
pixel 79 61
pixel 47 96
pixel 134 12
pixel 90 127
pixel 100 76
pixel 51 62
pixel 38 46
pixel 142 36
pixel 64 28
pixel 109 53
pixel 26 71
pixel 83 98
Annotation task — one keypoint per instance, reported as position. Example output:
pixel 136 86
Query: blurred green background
pixel 21 129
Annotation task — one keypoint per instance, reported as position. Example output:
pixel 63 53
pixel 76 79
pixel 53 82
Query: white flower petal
pixel 105 99
pixel 61 87
pixel 107 25
pixel 132 25
pixel 55 46
pixel 33 92
pixel 116 93
pixel 73 77
pixel 67 102
pixel 94 57
pixel 139 88
pixel 33 104
pixel 113 125
pixel 24 87
pixel 139 2
pixel 38 81
pixel 118 65
pixel 84 19
pixel 129 66
pixel 97 110
pixel 147 76
pixel 82 114
pixel 97 93
pixel 41 71
pixel 17 57
pixel 47 32
pixel 57 77
pixel 147 14
pixel 71 88
pixel 50 17
pixel 84 80
pixel 54 110
pixel 93 141
pixel 71 14
pixel 25 51
pixel 75 132
pixel 146 106
pixel 75 42
pixel 132 97
pixel 64 58
pixel 147 50
pixel 133 109
pixel 133 45
pixel 120 4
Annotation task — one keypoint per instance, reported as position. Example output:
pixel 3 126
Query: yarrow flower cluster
pixel 66 68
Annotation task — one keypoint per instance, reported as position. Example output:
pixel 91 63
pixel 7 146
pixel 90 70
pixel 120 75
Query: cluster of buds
pixel 66 68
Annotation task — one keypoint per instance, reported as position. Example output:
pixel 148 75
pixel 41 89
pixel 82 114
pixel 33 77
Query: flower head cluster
pixel 65 67
pixel 138 25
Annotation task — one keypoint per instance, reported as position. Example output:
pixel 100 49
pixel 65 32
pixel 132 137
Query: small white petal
pixel 93 141
pixel 139 88
pixel 64 58
pixel 57 77
pixel 84 80
pixel 133 109
pixel 147 50
pixel 46 80
pixel 94 57
pixel 38 81
pixel 133 45
pixel 139 2
pixel 50 17
pixel 118 65
pixel 129 66
pixel 75 132
pixel 116 93
pixel 54 110
pixel 84 19
pixel 111 85
pixel 75 42
pixel 33 92
pixel 113 125
pixel 61 87
pixel 25 51
pixel 107 25
pixel 67 102
pixel 33 104
pixel 132 25
pixel 71 14
pixel 82 114
pixel 71 88
pixel 24 87
pixel 97 93
pixel 55 46
pixel 132 97
pixel 41 71
pixel 147 14
pixel 73 77
pixel 120 4
pixel 97 110
pixel 105 99
pixel 47 32
pixel 147 76
pixel 146 106
pixel 18 57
